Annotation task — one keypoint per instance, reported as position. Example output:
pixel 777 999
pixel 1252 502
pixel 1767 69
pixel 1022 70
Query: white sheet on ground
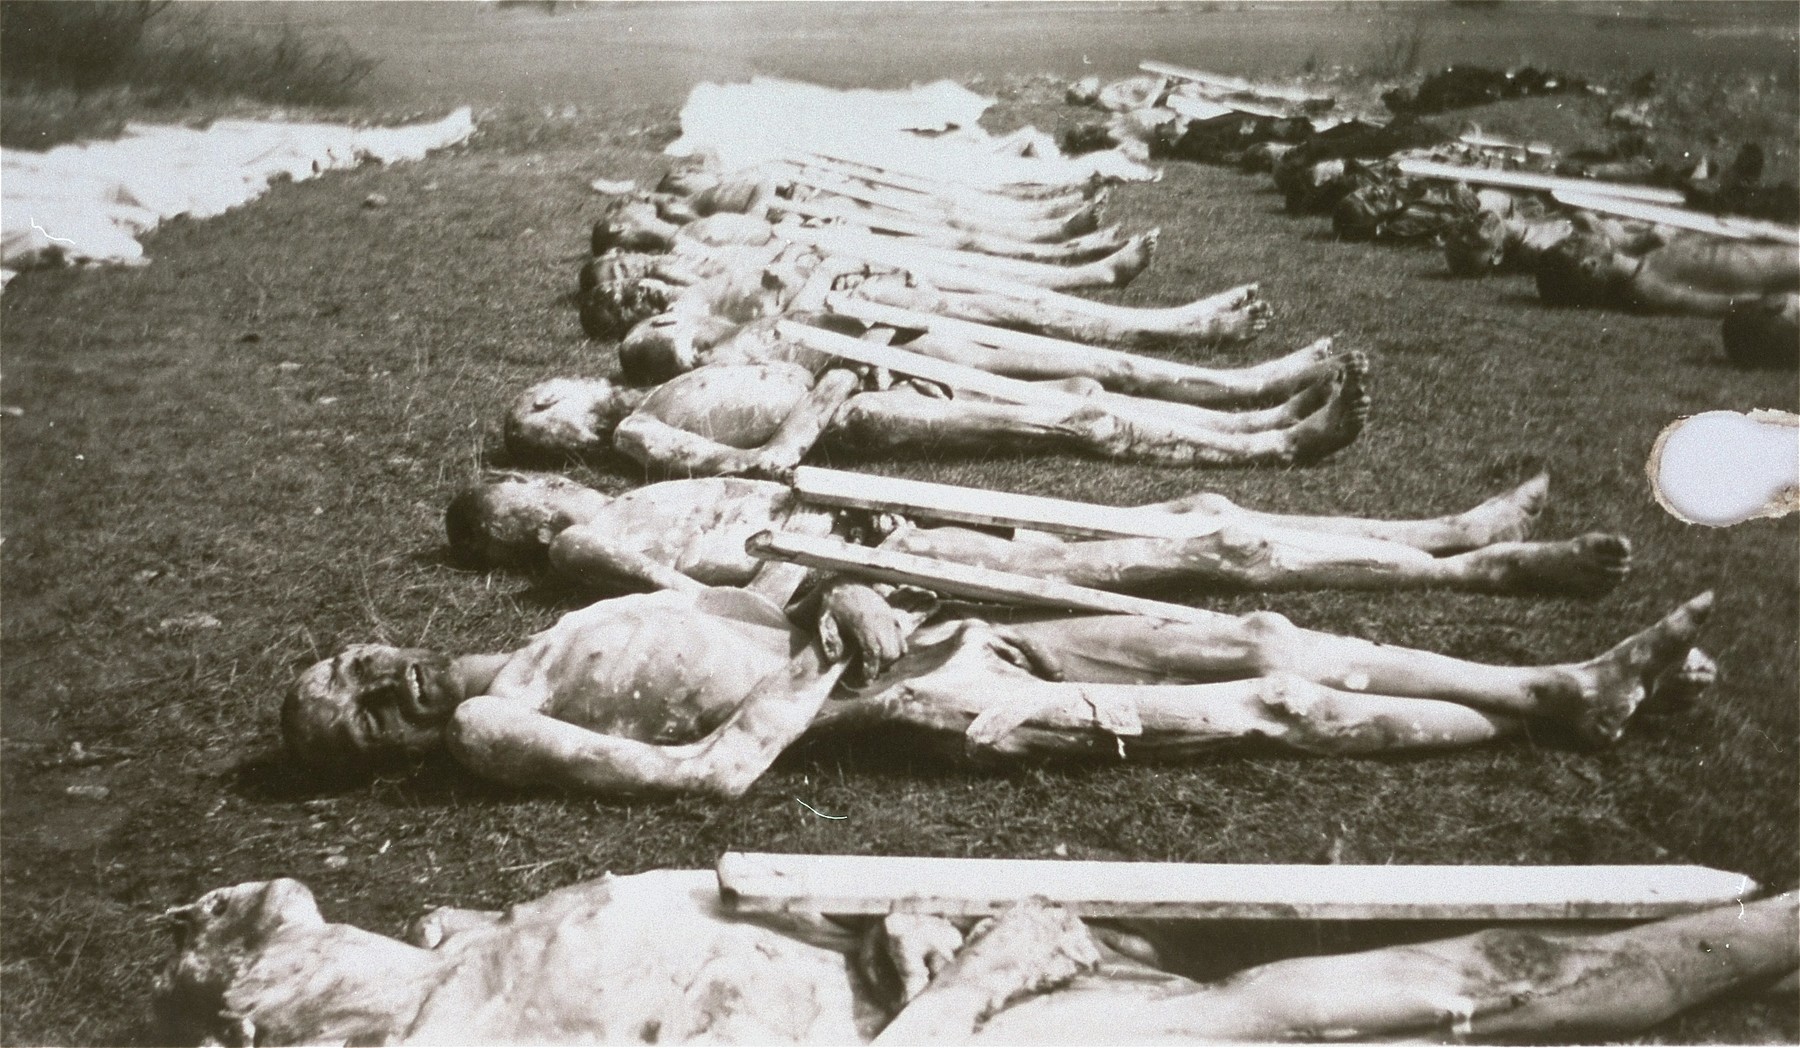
pixel 89 202
pixel 928 130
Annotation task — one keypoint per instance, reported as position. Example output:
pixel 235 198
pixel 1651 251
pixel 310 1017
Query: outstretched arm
pixel 588 554
pixel 1652 294
pixel 504 740
pixel 653 442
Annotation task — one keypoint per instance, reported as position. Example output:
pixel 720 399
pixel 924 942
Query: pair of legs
pixel 1499 984
pixel 1258 556
pixel 1232 315
pixel 1300 431
pixel 1116 269
pixel 1100 682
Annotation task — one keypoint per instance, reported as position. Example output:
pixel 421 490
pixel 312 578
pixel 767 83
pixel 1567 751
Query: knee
pixel 1243 549
pixel 1270 639
pixel 1079 385
pixel 1211 503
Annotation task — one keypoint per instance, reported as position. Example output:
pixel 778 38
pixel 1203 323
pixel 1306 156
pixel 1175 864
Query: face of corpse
pixel 567 417
pixel 370 703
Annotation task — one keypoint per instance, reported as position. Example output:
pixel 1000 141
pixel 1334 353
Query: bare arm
pixel 505 740
pixel 653 442
pixel 1651 294
pixel 589 554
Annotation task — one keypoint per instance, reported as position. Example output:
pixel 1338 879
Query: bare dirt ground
pixel 262 427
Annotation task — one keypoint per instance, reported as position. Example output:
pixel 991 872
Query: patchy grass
pixel 264 425
pixel 80 68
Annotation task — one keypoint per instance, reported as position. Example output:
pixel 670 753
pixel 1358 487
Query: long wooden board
pixel 1481 140
pixel 857 884
pixel 1231 84
pixel 961 580
pixel 1537 183
pixel 1211 109
pixel 1681 218
pixel 959 505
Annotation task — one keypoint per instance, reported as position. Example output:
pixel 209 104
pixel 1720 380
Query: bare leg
pixel 1302 403
pixel 1242 556
pixel 1509 517
pixel 1234 314
pixel 897 419
pixel 1596 697
pixel 1502 984
pixel 1139 375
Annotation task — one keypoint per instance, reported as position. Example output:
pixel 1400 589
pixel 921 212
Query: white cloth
pixel 89 202
pixel 930 130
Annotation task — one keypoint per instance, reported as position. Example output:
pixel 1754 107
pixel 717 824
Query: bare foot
pixel 1510 517
pixel 1084 219
pixel 1680 685
pixel 1309 400
pixel 1242 320
pixel 1133 258
pixel 1341 419
pixel 1614 684
pixel 1585 567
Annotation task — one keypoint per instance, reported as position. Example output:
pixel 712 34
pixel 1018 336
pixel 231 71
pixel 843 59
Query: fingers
pixel 831 641
pixel 1028 655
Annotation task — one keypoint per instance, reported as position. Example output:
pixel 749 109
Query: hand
pixel 928 388
pixel 919 946
pixel 855 620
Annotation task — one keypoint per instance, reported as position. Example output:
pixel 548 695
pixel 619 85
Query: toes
pixel 1610 553
pixel 1532 495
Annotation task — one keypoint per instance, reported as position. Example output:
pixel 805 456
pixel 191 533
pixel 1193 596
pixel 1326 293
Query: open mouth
pixel 415 687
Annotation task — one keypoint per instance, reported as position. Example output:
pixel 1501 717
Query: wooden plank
pixel 1232 84
pixel 959 505
pixel 1681 218
pixel 860 884
pixel 1211 108
pixel 1536 183
pixel 1486 141
pixel 961 580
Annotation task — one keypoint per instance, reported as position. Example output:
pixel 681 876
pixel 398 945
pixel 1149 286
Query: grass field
pixel 263 427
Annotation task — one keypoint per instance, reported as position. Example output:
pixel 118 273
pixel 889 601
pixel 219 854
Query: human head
pixel 369 705
pixel 688 177
pixel 669 344
pixel 1582 269
pixel 631 223
pixel 1475 244
pixel 612 305
pixel 567 417
pixel 508 519
pixel 215 937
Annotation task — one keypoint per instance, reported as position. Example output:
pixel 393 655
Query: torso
pixel 1732 267
pixel 738 405
pixel 698 527
pixel 644 959
pixel 659 667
